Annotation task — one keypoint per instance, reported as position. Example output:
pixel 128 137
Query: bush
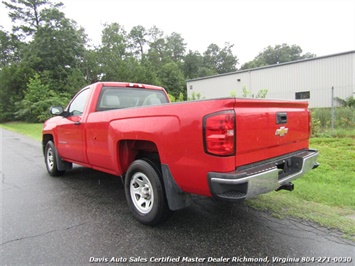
pixel 37 100
pixel 344 119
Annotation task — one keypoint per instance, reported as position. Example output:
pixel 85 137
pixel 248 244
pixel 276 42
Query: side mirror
pixel 56 110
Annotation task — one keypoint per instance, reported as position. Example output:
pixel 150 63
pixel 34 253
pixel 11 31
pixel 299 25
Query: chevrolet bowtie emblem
pixel 282 131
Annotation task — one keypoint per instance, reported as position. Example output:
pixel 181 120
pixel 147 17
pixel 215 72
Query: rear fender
pixel 131 150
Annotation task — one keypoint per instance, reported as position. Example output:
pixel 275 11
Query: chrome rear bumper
pixel 251 180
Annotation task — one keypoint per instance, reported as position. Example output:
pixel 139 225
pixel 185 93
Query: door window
pixel 78 104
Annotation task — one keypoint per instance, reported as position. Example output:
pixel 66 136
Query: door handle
pixel 78 123
pixel 281 118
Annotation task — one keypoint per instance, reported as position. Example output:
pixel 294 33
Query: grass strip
pixel 33 130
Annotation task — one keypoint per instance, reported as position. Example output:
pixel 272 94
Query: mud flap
pixel 177 199
pixel 62 165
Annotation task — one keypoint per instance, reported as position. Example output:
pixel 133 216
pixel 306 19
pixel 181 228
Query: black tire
pixel 145 193
pixel 50 158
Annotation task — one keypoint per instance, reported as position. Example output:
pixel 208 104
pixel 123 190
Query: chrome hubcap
pixel 50 158
pixel 141 192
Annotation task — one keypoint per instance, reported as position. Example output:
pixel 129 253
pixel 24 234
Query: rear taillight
pixel 219 133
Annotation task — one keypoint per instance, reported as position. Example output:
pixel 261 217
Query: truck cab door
pixel 71 135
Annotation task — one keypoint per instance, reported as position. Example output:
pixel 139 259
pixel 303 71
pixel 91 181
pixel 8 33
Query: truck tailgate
pixel 267 129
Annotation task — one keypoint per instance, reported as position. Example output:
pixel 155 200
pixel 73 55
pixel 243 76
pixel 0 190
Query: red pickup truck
pixel 230 149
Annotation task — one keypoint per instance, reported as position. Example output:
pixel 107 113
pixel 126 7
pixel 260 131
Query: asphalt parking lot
pixel 82 218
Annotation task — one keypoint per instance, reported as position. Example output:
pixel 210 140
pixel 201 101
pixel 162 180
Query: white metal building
pixel 310 79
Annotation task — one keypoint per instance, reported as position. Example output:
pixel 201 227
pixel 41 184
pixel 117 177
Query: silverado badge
pixel 282 131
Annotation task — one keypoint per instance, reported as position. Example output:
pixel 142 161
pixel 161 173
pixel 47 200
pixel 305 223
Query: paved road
pixel 83 217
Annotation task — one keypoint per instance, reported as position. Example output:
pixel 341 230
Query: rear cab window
pixel 112 98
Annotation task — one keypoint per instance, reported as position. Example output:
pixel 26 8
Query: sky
pixel 321 27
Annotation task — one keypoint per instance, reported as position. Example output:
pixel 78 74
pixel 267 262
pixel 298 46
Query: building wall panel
pixel 317 76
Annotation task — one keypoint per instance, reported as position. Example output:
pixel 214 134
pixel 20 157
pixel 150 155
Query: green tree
pixel 75 80
pixel 175 47
pixel 210 57
pixel 193 63
pixel 26 15
pixel 156 43
pixel 113 52
pixel 172 79
pixel 114 40
pixel 13 79
pixel 149 74
pixel 117 56
pixel 277 54
pixel 57 49
pixel 220 60
pixel 37 100
pixel 6 48
pixel 91 66
pixel 137 36
pixel 227 60
pixel 205 72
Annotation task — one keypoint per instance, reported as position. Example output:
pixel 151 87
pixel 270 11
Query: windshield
pixel 120 97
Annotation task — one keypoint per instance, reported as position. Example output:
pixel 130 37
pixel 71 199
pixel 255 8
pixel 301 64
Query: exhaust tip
pixel 316 165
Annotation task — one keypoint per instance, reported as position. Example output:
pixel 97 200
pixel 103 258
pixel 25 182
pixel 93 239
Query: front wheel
pixel 145 193
pixel 50 157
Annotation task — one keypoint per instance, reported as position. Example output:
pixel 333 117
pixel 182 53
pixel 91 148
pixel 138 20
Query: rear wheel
pixel 51 160
pixel 145 193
